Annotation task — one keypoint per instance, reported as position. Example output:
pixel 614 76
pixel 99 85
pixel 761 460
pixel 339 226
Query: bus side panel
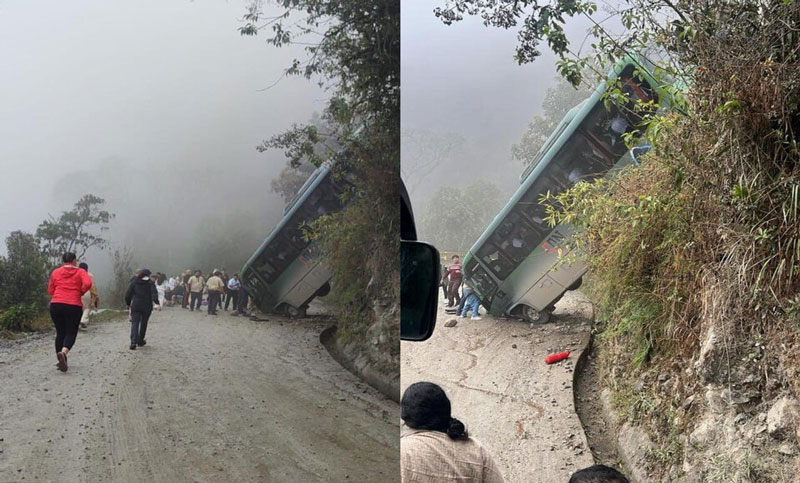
pixel 542 293
pixel 306 288
pixel 516 287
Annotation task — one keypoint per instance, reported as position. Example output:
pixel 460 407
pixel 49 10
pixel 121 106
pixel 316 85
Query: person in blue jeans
pixel 471 301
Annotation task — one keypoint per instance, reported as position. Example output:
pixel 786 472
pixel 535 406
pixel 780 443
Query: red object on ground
pixel 553 358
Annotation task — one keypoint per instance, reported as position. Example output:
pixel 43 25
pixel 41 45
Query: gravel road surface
pixel 521 409
pixel 207 399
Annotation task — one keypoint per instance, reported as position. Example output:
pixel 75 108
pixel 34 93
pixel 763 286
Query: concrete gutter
pixel 352 360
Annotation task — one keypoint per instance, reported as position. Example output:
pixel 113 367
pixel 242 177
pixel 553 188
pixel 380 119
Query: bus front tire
pixel 295 312
pixel 533 316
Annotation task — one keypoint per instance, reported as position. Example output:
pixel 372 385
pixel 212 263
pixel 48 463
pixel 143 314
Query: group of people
pixel 452 280
pixel 73 293
pixel 190 289
pixel 436 447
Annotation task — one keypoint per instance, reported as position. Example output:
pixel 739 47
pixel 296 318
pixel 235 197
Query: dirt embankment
pixel 208 399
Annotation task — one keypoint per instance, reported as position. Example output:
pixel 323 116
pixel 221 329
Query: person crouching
pixel 140 298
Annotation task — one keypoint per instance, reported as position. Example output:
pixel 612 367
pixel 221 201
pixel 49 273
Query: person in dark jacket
pixel 140 298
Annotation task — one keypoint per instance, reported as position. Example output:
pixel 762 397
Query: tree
pixel 354 48
pixel 558 100
pixel 540 21
pixel 75 231
pixel 454 218
pixel 424 151
pixel 24 270
pixel 123 271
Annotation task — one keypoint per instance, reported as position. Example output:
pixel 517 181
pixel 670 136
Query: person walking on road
pixel 90 298
pixel 185 279
pixel 140 298
pixel 453 271
pixel 435 447
pixel 215 288
pixel 196 284
pixel 67 284
pixel 234 284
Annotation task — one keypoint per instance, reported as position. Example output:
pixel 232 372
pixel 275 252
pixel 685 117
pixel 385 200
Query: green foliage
pixel 18 317
pixel 454 218
pixel 24 278
pixel 354 48
pixel 539 20
pixel 75 231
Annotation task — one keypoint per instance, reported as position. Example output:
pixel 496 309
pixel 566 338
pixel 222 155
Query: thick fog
pixel 466 100
pixel 154 105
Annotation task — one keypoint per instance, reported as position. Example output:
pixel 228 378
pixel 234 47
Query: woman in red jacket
pixel 67 284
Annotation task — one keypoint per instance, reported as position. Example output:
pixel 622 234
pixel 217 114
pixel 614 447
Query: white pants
pixel 86 299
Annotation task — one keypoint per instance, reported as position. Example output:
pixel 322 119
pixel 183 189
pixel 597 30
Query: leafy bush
pixel 18 317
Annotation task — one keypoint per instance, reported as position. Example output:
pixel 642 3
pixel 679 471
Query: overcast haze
pixel 153 105
pixel 463 80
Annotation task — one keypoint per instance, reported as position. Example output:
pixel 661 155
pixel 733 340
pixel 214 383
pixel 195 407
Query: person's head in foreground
pixel 598 474
pixel 425 406
pixel 456 259
pixel 68 258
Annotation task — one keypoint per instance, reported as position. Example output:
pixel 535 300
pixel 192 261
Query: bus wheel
pixel 294 312
pixel 324 290
pixel 534 316
pixel 576 284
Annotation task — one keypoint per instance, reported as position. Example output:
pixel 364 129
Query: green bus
pixel 286 272
pixel 515 267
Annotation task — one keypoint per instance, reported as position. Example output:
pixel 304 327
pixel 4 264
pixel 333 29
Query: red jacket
pixel 67 284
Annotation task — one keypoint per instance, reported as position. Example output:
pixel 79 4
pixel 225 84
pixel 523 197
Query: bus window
pixel 491 256
pixel 294 234
pixel 518 237
pixel 530 207
pixel 606 129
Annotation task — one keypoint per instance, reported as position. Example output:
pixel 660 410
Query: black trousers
pixel 139 326
pixel 196 297
pixel 67 319
pixel 241 307
pixel 213 301
pixel 452 293
pixel 232 294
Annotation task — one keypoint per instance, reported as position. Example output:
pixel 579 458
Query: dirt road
pixel 521 409
pixel 208 399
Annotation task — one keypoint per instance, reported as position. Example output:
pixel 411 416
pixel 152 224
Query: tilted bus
pixel 515 267
pixel 287 272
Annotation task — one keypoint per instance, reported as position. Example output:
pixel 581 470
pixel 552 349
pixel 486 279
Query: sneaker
pixel 476 317
pixel 142 342
pixel 62 361
pixel 132 347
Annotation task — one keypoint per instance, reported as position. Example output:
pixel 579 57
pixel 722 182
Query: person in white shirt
pixel 234 284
